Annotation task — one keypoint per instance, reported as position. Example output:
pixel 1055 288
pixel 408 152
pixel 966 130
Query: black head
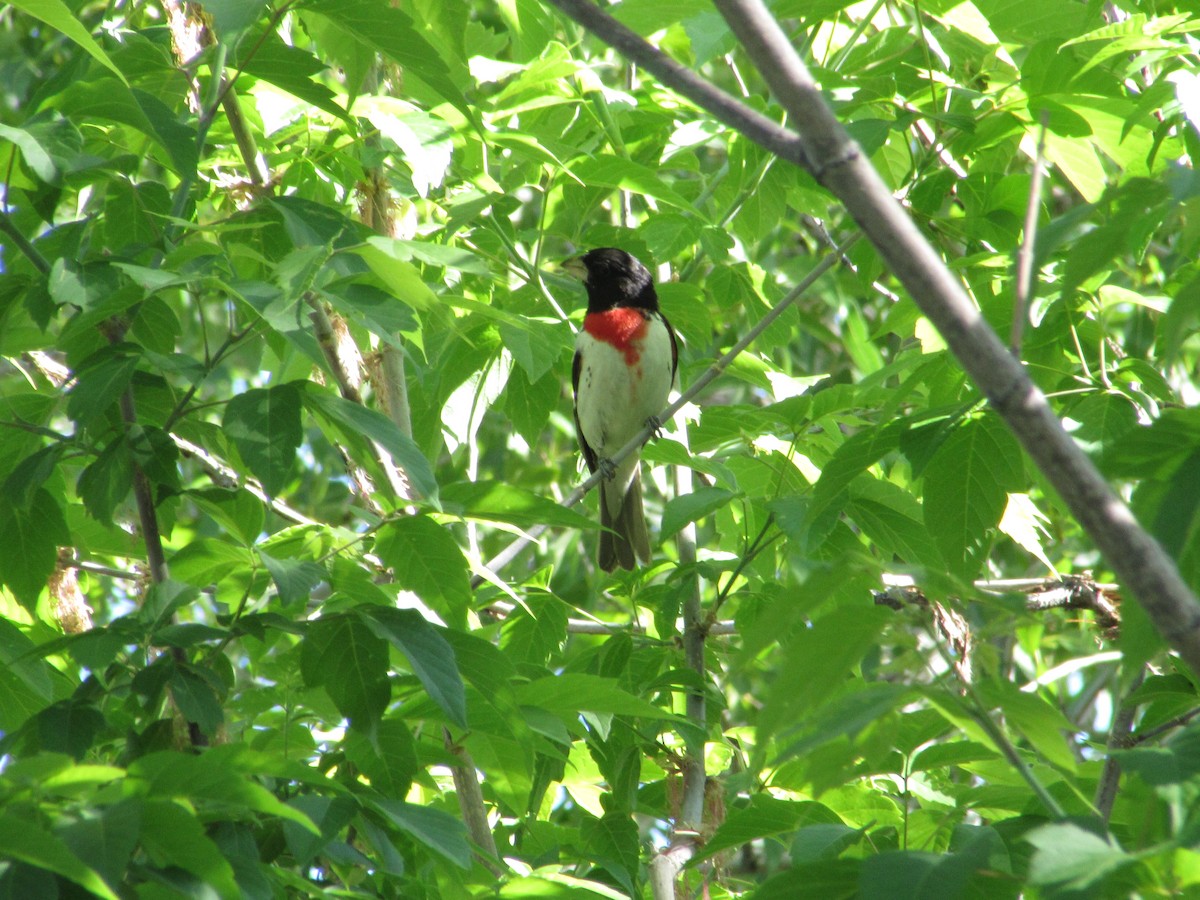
pixel 614 278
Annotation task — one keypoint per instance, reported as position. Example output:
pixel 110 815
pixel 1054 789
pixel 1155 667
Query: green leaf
pixel 31 473
pixel 390 31
pixel 693 507
pixel 388 260
pixel 1177 762
pixel 574 692
pixel 613 842
pixel 528 405
pixel 58 15
pixel 196 699
pixel 29 551
pixel 1043 724
pixel 829 879
pixel 389 761
pixel 134 215
pixel 25 680
pixel 498 502
pixel 239 512
pixel 106 840
pixel 294 578
pixel 264 425
pixel 205 561
pixel 175 836
pixel 892 518
pixel 49 144
pixel 424 141
pixel 1069 855
pixel 106 98
pixel 824 841
pixel 217 777
pixel 105 484
pixel 619 173
pixel 437 830
pixel 764 816
pixel 100 380
pixel 966 490
pixel 853 457
pixel 26 841
pixel 431 658
pixel 815 662
pixel 341 654
pixel 288 67
pixel 427 561
pixel 360 420
pixel 536 344
pixel 668 234
pixel 906 875
pixel 329 815
pixel 233 16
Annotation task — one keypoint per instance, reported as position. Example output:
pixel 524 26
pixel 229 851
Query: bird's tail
pixel 625 539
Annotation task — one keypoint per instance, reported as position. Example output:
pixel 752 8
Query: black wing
pixel 674 351
pixel 589 455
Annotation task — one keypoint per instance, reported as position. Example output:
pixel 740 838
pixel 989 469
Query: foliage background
pixel 280 707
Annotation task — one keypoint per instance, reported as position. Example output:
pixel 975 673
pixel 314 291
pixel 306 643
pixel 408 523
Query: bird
pixel 626 357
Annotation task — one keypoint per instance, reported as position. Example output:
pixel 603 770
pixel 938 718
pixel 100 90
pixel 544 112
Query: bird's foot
pixel 607 468
pixel 655 424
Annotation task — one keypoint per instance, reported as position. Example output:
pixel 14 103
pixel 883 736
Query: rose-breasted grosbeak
pixel 625 361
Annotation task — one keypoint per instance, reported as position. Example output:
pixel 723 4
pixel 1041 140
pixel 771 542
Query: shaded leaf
pixel 28 842
pixel 427 561
pixel 341 654
pixel 431 657
pixel 264 425
pixel 360 420
pixel 29 550
pixel 498 502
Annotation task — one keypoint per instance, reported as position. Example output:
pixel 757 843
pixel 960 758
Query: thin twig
pixel 23 244
pixel 981 714
pixel 1118 739
pixel 226 476
pixel 1024 286
pixel 502 609
pixel 1158 730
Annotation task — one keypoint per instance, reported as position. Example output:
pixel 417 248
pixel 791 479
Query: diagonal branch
pixel 737 115
pixel 836 161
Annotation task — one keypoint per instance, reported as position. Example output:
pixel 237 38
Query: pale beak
pixel 575 268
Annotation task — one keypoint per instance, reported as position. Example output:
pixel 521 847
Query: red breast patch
pixel 622 328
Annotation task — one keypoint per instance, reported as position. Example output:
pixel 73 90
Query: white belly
pixel 614 399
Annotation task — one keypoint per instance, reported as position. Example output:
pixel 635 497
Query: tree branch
pixel 689 827
pixel 23 244
pixel 732 112
pixel 470 801
pixel 1027 251
pixel 1118 738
